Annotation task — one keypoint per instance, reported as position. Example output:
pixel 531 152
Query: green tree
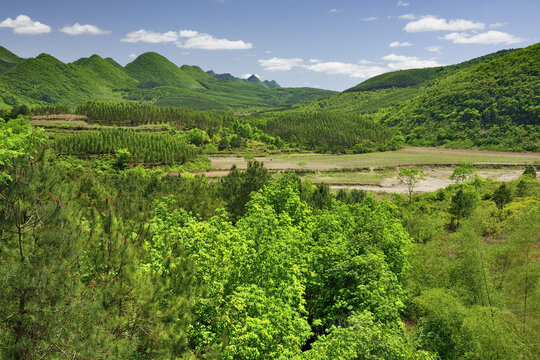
pixel 502 196
pixel 410 177
pixel 463 172
pixel 463 204
pixel 122 157
pixel 237 186
pixel 530 170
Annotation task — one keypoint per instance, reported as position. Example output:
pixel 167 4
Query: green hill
pixel 271 84
pixel 414 77
pixel 8 59
pixel 492 104
pixel 113 63
pixel 151 67
pixel 45 79
pixel 150 78
pixel 489 102
pixel 254 80
pixel 106 72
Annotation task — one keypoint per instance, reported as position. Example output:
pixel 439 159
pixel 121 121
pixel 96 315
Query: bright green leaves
pixel 17 139
pixel 280 267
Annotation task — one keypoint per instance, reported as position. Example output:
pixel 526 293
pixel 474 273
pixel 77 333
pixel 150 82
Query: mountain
pixel 271 84
pixel 151 67
pixel 414 77
pixel 46 79
pixel 222 77
pixel 489 102
pixel 253 79
pixel 8 59
pixel 106 72
pixel 493 103
pixel 150 78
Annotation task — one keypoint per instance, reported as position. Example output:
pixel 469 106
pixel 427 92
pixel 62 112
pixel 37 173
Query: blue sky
pixel 329 44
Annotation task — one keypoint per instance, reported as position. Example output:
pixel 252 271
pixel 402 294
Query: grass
pixel 403 157
pixel 334 178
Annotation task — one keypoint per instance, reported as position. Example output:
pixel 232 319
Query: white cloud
pixel 25 25
pixel 432 23
pixel 280 64
pixel 361 69
pixel 400 44
pixel 149 36
pixel 373 18
pixel 132 56
pixel 191 39
pixel 334 11
pixel 407 62
pixel 490 37
pixel 340 68
pixel 268 52
pixel 186 39
pixel 78 29
pixel 434 49
pixel 496 25
pixel 403 3
pixel 407 16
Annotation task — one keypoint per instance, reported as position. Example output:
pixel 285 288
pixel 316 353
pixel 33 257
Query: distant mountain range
pixel 149 78
pixel 253 79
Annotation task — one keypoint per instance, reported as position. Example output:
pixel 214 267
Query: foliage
pixel 463 204
pixel 237 186
pixel 462 172
pixel 530 170
pixel 331 132
pixel 502 196
pixel 410 177
pixel 147 147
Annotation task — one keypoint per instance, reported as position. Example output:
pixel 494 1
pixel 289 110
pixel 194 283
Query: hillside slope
pixel 151 67
pixel 494 104
pixel 151 78
pixel 46 79
pixel 490 102
pixel 106 72
pixel 8 59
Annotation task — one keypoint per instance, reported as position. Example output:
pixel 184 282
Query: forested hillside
pixel 150 78
pixel 490 102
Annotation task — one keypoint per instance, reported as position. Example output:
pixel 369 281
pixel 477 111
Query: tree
pixel 462 172
pixel 502 196
pixel 410 177
pixel 463 203
pixel 122 156
pixel 530 170
pixel 238 185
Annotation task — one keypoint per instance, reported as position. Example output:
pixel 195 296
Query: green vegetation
pixel 150 78
pixel 7 59
pixel 103 259
pixel 332 132
pixel 489 102
pixel 143 147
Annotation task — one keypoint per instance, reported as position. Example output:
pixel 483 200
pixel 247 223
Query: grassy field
pixel 405 157
pixel 378 171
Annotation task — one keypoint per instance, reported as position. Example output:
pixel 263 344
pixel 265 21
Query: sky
pixel 331 44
